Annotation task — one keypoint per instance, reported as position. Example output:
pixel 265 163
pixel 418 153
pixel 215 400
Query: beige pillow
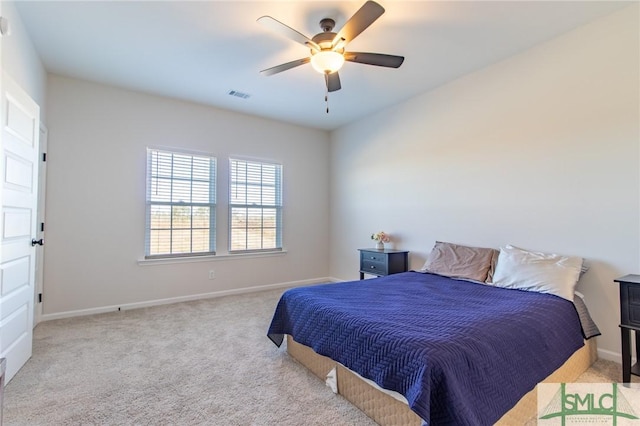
pixel 457 261
pixel 535 271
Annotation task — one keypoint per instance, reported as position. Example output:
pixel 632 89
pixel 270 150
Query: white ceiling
pixel 199 51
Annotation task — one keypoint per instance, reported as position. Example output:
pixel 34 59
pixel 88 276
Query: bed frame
pixel 386 410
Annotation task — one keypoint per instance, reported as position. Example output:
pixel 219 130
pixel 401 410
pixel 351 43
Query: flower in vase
pixel 381 237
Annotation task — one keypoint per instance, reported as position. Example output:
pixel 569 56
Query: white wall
pixel 96 196
pixel 540 150
pixel 20 60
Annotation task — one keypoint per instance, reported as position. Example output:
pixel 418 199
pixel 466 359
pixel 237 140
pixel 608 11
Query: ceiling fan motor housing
pixel 324 40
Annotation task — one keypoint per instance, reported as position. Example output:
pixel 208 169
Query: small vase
pixel 380 245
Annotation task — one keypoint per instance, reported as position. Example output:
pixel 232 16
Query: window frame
pixel 212 204
pixel 278 206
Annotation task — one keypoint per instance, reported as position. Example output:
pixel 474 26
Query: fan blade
pixel 284 67
pixel 359 22
pixel 333 82
pixel 286 31
pixel 379 59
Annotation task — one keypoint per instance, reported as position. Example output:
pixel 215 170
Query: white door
pixel 19 199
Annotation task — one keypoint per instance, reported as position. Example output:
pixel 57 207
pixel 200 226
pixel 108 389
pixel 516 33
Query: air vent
pixel 239 94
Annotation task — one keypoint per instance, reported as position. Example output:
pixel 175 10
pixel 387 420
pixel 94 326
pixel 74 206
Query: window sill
pixel 195 259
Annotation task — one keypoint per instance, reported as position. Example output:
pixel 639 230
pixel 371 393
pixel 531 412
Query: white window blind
pixel 181 204
pixel 255 206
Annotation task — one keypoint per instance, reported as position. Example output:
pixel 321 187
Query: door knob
pixel 38 242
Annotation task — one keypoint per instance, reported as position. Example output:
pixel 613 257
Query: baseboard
pixel 157 302
pixel 609 355
pixel 612 356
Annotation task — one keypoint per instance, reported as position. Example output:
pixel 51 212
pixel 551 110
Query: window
pixel 181 204
pixel 255 206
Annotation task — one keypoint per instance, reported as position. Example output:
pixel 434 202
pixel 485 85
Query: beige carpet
pixel 207 362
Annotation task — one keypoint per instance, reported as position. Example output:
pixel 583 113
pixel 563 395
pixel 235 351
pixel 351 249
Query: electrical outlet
pixel 212 274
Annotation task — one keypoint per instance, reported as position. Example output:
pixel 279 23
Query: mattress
pixel 385 410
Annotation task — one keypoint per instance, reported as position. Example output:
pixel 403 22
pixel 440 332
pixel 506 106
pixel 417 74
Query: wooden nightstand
pixel 383 262
pixel 629 321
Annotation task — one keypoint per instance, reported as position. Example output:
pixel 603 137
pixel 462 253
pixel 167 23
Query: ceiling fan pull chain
pixel 326 90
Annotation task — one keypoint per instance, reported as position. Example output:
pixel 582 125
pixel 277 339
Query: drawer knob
pixel 373 267
pixel 372 257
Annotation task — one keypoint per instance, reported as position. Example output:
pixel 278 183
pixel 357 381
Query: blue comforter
pixel 461 353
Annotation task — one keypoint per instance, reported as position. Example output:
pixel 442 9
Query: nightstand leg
pixel 626 354
pixel 637 333
pixel 362 275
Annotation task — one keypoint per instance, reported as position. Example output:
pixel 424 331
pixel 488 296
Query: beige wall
pixel 540 150
pixel 96 197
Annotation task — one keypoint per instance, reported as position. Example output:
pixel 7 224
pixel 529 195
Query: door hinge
pixel 44 156
pixel 39 297
pixel 41 226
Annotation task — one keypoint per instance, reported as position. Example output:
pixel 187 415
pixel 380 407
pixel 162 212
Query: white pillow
pixel 535 271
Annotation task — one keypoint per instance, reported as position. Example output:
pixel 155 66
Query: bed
pixel 418 347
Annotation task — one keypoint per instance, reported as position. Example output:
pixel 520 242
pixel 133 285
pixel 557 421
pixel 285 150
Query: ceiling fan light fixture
pixel 327 61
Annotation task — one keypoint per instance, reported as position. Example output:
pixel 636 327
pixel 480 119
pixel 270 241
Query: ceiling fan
pixel 328 48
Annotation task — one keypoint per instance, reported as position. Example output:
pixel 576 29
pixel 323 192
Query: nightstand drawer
pixel 630 304
pixel 376 268
pixel 634 295
pixel 368 256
